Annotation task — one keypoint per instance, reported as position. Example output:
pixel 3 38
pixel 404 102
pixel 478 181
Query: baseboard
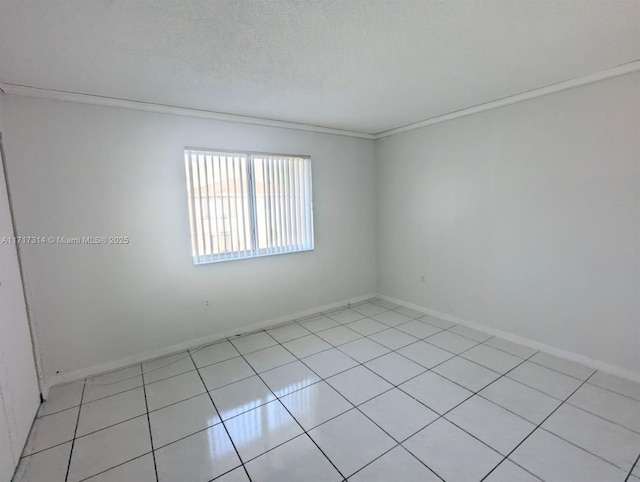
pixel 82 373
pixel 553 350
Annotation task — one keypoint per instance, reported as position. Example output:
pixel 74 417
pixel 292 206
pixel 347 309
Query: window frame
pixel 255 251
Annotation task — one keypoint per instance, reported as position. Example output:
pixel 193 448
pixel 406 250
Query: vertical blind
pixel 244 205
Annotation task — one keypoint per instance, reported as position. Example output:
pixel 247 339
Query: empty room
pixel 320 240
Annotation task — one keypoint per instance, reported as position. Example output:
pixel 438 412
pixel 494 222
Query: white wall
pixel 19 393
pixel 525 219
pixel 88 170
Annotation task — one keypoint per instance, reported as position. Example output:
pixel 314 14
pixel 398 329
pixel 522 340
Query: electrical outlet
pixel 206 303
pixel 423 280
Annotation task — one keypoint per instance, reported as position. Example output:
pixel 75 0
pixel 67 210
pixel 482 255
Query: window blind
pixel 245 205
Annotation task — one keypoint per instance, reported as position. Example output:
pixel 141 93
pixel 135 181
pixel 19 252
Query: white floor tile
pixel 367 326
pixel 329 362
pixel 351 441
pixel 520 351
pixel 192 444
pixel 272 357
pixel 411 313
pixel 385 304
pixel 611 406
pixel 167 367
pixel 102 450
pixel 438 393
pixel 289 378
pixel 52 430
pixel 306 346
pixel 288 332
pixel 466 373
pixel 451 342
pixel 494 359
pixel 393 338
pixel 119 375
pixel 182 419
pixel 111 410
pixel 495 426
pixel 363 349
pixel 138 470
pixel 261 429
pixel 345 316
pixel 425 354
pixel 395 368
pixel 225 372
pixel 321 323
pixel 249 343
pixel 548 381
pixel 465 331
pixel 62 397
pixel 236 475
pixel 507 471
pixel 571 368
pixel 298 459
pixel 197 458
pixel 596 435
pixel 95 390
pixel 398 414
pixel 315 404
pixel 172 390
pixel 369 309
pixel 551 458
pixel 391 318
pixel 398 465
pixel 47 466
pixel 339 335
pixel 419 329
pixel 435 321
pixel 240 397
pixel 529 403
pixel 358 384
pixel 452 453
pixel 616 384
pixel 214 354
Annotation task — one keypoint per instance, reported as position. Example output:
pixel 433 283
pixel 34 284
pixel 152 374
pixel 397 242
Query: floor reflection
pixel 260 417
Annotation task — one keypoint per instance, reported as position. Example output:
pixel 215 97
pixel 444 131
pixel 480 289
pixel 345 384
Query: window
pixel 243 205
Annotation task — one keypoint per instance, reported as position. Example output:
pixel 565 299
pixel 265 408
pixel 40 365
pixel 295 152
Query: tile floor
pixel 374 392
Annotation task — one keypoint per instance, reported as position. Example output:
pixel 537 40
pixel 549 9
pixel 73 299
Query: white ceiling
pixel 361 65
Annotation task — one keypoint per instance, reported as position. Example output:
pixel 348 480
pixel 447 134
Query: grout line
pixel 539 426
pixel 112 394
pixel 637 400
pixel 304 431
pixel 442 416
pixel 361 336
pixel 116 466
pixel 175 403
pixel 221 421
pixel 632 467
pixel 55 413
pixel 146 404
pixel 363 364
pixel 580 447
pixel 75 431
pixel 603 418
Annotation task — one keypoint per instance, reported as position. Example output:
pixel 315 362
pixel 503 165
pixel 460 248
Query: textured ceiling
pixel 362 65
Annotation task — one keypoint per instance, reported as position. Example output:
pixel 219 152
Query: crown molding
pixel 514 99
pixel 21 90
pixel 26 91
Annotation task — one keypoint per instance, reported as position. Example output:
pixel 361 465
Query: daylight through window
pixel 244 205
